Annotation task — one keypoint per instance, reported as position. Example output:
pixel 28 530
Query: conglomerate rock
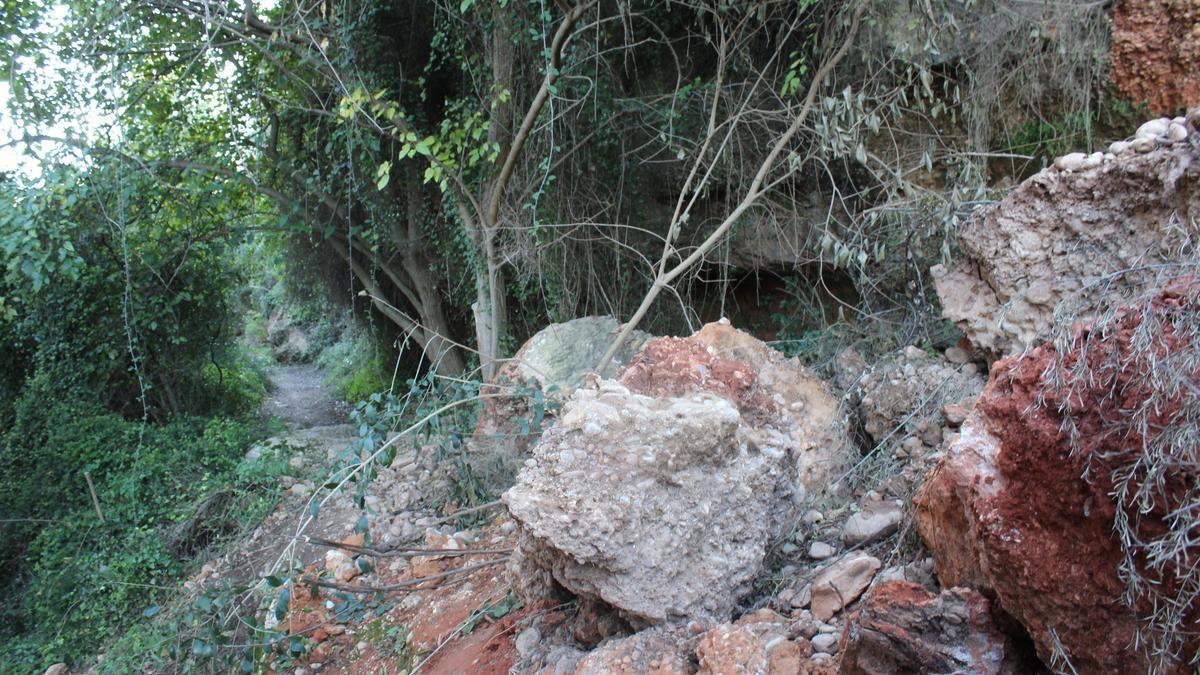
pixel 902 628
pixel 1094 227
pixel 1021 512
pixel 658 494
pixel 902 395
pixel 545 371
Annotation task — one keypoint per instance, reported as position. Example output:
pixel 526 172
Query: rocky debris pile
pixel 1024 511
pixel 658 494
pixel 903 628
pixel 1155 48
pixel 1090 226
pixel 903 399
pixel 759 642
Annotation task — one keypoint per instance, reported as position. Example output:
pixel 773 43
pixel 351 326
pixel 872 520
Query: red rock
pixel 903 628
pixel 1007 510
pixel 1155 49
pixel 755 643
pixel 840 584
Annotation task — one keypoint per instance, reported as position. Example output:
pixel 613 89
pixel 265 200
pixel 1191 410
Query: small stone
pixel 296 462
pixel 821 659
pixel 1144 144
pixel 300 490
pixel 826 643
pixel 802 598
pixel 1119 147
pixel 957 355
pixel 819 550
pixel 1153 129
pixel 527 641
pixel 1070 162
pixel 912 445
pixel 841 583
pixel 1093 160
pixel 361 646
pixel 954 414
pixel 508 527
pixel 930 434
pixel 812 517
pixel 1176 132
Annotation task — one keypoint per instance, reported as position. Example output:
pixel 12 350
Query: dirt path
pixel 302 399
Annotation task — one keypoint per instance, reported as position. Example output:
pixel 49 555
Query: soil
pixel 302 400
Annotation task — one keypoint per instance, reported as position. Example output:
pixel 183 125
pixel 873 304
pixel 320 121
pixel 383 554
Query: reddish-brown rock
pixel 755 643
pixel 903 628
pixel 1155 49
pixel 1009 511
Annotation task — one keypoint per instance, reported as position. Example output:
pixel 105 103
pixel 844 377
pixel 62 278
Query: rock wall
pixel 1155 49
pixel 1019 511
pixel 1066 233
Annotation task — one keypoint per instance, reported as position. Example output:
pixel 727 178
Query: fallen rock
pixel 659 494
pixel 876 521
pixel 660 650
pixel 756 643
pixel 838 585
pixel 1008 509
pixel 903 628
pixel 903 394
pixel 552 364
pixel 57 669
pixel 819 550
pixel 1055 235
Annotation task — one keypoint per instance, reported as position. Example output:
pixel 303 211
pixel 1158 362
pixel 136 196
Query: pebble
pixel 802 598
pixel 1177 132
pixel 1070 162
pixel 1143 145
pixel 819 550
pixel 957 355
pixel 812 517
pixel 826 643
pixel 527 641
pixel 1119 147
pixel 1153 129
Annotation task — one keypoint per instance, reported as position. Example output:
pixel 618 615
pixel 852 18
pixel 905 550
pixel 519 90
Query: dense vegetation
pixel 452 176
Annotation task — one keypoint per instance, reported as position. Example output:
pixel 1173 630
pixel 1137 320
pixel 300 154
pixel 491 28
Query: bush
pixel 76 581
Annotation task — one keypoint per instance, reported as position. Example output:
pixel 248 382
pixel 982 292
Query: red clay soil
pixel 1155 52
pixel 672 366
pixel 1044 544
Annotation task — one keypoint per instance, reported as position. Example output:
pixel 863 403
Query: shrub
pixel 77 581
